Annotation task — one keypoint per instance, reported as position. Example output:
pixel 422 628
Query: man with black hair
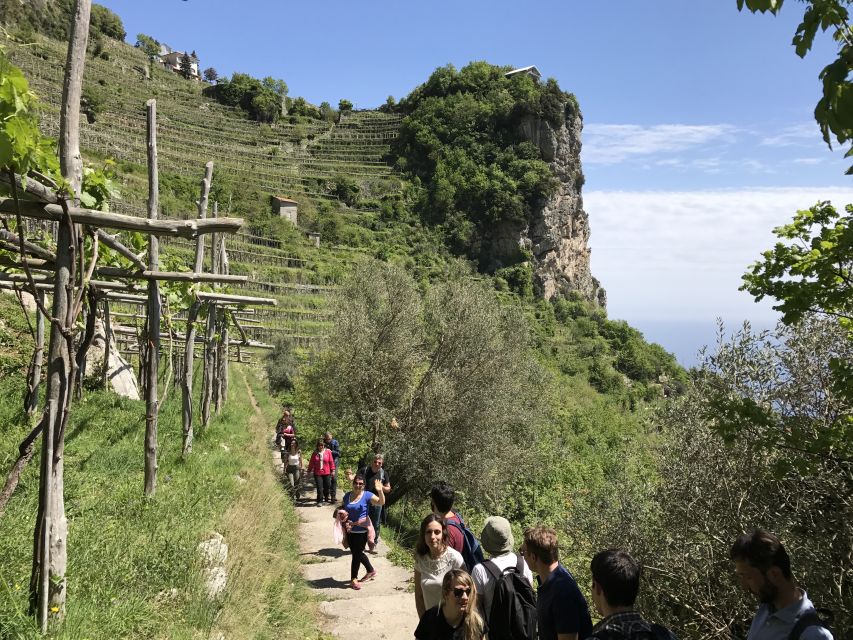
pixel 763 567
pixel 441 498
pixel 615 584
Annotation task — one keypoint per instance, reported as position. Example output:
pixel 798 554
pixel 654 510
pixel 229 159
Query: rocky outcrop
pixel 558 231
pixel 119 372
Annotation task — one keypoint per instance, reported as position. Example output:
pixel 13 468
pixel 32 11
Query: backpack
pixel 811 618
pixel 658 632
pixel 472 552
pixel 513 614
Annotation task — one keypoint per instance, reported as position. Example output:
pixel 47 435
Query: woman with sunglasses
pixel 456 616
pixel 354 514
pixel 434 557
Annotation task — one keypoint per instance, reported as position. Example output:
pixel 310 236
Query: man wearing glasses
pixel 561 610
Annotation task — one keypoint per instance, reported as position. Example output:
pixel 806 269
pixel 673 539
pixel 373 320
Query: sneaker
pixel 355 584
pixel 370 575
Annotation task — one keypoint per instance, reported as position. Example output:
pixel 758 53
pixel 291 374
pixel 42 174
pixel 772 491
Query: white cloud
pixel 615 143
pixel 679 255
pixel 808 161
pixel 804 133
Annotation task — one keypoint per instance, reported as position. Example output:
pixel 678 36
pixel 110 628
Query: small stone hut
pixel 285 208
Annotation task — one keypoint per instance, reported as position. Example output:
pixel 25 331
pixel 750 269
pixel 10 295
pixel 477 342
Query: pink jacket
pixel 328 463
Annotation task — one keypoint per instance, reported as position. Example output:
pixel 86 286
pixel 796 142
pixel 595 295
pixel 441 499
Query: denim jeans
pixel 374 513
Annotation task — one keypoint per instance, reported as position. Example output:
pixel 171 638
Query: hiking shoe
pixel 355 584
pixel 370 575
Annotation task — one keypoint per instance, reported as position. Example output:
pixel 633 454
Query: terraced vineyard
pixel 301 159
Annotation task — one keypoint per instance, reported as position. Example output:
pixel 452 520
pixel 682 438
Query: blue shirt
pixel 335 447
pixel 777 625
pixel 358 510
pixel 561 607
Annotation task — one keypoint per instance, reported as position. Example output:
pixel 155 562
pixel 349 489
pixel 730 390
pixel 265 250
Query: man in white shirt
pixel 498 542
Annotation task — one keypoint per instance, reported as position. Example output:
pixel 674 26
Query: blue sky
pixel 698 140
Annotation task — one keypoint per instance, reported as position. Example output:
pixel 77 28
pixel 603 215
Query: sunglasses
pixel 460 591
pixel 358 484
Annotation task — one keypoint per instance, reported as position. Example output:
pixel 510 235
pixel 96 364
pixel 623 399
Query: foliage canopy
pixel 461 139
pixel 452 365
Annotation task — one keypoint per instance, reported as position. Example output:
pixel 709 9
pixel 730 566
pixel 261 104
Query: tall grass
pixel 133 568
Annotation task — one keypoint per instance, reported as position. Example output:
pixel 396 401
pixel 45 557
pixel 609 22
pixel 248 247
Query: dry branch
pixel 177 228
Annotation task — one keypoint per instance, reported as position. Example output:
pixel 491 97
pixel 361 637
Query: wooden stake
pixel 153 324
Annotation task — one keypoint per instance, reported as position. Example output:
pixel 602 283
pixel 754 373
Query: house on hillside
pixel 285 208
pixel 174 61
pixel 531 71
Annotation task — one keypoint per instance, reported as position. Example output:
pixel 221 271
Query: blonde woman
pixel 434 557
pixel 457 616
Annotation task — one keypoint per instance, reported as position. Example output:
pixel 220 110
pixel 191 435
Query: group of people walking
pixel 524 592
pixel 495 597
pixel 322 463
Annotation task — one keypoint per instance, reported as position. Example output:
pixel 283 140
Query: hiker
pixel 335 447
pixel 562 612
pixel 498 541
pixel 322 464
pixel 456 617
pixel 359 530
pixel 375 470
pixel 293 467
pixel 763 567
pixel 615 584
pixel 442 497
pixel 433 559
pixel 285 430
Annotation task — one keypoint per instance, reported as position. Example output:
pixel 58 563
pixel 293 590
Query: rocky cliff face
pixel 558 230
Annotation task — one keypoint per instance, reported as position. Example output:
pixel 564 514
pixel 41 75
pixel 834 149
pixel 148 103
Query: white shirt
pixel 485 582
pixel 432 573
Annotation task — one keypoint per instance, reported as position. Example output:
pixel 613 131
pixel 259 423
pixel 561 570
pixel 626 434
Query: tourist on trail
pixel 322 464
pixel 375 470
pixel 285 431
pixel 335 447
pixel 562 611
pixel 456 616
pixel 763 567
pixel 433 559
pixel 293 467
pixel 498 541
pixel 615 584
pixel 442 497
pixel 356 523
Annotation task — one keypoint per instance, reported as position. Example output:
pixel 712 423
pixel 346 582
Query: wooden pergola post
pixel 50 539
pixel 192 315
pixel 153 321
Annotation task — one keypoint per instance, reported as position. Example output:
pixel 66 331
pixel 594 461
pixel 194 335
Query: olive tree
pixel 708 490
pixel 443 382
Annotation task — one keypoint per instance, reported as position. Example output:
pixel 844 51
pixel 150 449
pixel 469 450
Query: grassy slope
pixel 126 553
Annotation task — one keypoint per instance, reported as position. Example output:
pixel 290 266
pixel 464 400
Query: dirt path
pixel 383 608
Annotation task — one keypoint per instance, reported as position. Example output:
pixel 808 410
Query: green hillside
pixel 402 333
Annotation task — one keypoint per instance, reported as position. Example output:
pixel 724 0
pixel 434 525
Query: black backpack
pixel 513 614
pixel 658 632
pixel 472 551
pixel 811 618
